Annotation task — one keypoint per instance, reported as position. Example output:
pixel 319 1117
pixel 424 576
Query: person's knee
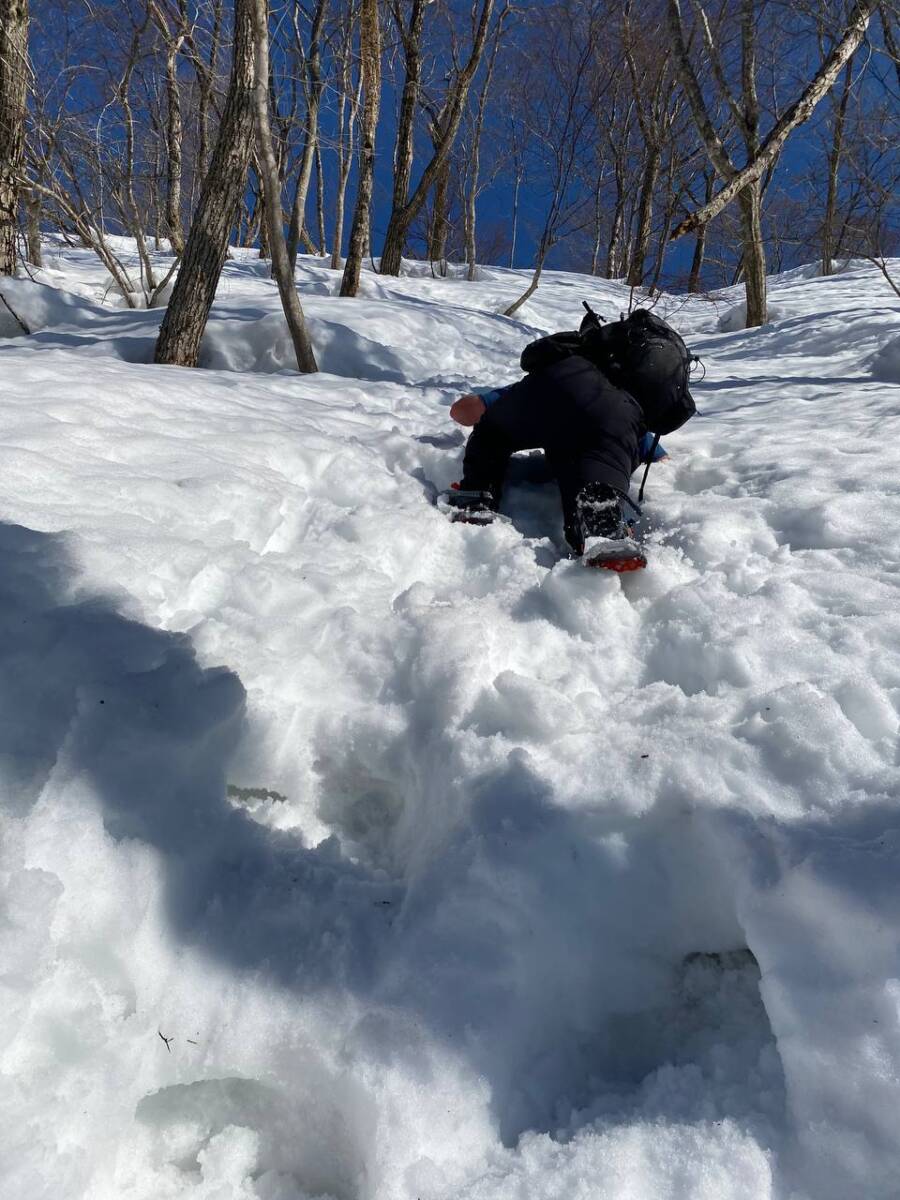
pixel 487 454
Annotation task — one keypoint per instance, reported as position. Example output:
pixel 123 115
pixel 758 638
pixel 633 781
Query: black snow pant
pixel 589 430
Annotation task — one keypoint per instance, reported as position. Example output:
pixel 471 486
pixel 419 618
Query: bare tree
pixel 281 265
pixel 560 107
pixel 655 110
pixel 618 145
pixel 125 101
pixel 207 243
pixel 172 25
pixel 57 155
pixel 410 35
pixel 473 184
pixel 835 155
pixel 311 59
pixel 693 287
pixel 745 184
pixel 348 108
pixel 890 41
pixel 98 155
pixel 13 91
pixel 126 198
pixel 439 217
pixel 606 164
pixel 32 205
pixel 403 215
pixel 518 173
pixel 206 69
pixel 370 68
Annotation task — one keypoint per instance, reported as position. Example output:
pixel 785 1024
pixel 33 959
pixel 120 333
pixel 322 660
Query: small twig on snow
pixel 15 316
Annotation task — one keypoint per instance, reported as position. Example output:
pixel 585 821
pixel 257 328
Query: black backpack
pixel 639 353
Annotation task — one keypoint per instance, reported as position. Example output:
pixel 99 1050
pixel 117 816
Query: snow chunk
pixel 735 319
pixel 25 302
pixel 885 365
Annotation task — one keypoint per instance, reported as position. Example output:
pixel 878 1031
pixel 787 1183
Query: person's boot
pixel 469 506
pixel 607 529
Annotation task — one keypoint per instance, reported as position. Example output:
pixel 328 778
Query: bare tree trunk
pixel 438 224
pixel 754 258
pixel 338 234
pixel 207 243
pixel 207 83
pixel 33 229
pixel 297 229
pixel 259 219
pixel 411 39
pixel 469 227
pixel 313 88
pixel 834 165
pixel 598 222
pixel 614 255
pixel 347 110
pixel 174 39
pixel 345 158
pixel 13 85
pixel 672 198
pixel 693 286
pixel 154 196
pixel 475 165
pixel 535 280
pixel 402 218
pixel 890 41
pixel 370 55
pixel 651 116
pixel 268 165
pixel 248 220
pixel 440 220
pixel 515 221
pixel 320 202
pixel 132 215
pixel 641 244
pixel 174 135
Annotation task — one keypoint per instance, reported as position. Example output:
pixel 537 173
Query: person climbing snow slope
pixel 576 404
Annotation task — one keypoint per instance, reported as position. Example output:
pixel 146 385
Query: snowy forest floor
pixel 347 852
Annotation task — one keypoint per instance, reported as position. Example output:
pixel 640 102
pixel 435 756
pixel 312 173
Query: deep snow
pixel 351 853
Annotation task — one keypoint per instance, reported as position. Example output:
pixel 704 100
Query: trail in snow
pixel 526 882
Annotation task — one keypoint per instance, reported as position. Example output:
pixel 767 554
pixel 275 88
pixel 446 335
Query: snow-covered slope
pixel 350 853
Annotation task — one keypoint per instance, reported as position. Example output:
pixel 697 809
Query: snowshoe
pixel 610 530
pixel 614 554
pixel 467 507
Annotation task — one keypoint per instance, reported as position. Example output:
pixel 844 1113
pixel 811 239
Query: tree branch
pixel 714 146
pixel 795 115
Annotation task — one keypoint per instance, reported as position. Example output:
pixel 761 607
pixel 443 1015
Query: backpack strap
pixel 652 452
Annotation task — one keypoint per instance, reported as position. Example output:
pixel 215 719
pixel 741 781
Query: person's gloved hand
pixel 468 409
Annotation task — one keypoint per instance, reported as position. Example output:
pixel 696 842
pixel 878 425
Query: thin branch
pixel 795 115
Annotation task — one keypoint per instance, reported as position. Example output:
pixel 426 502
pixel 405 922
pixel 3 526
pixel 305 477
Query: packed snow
pixel 351 853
